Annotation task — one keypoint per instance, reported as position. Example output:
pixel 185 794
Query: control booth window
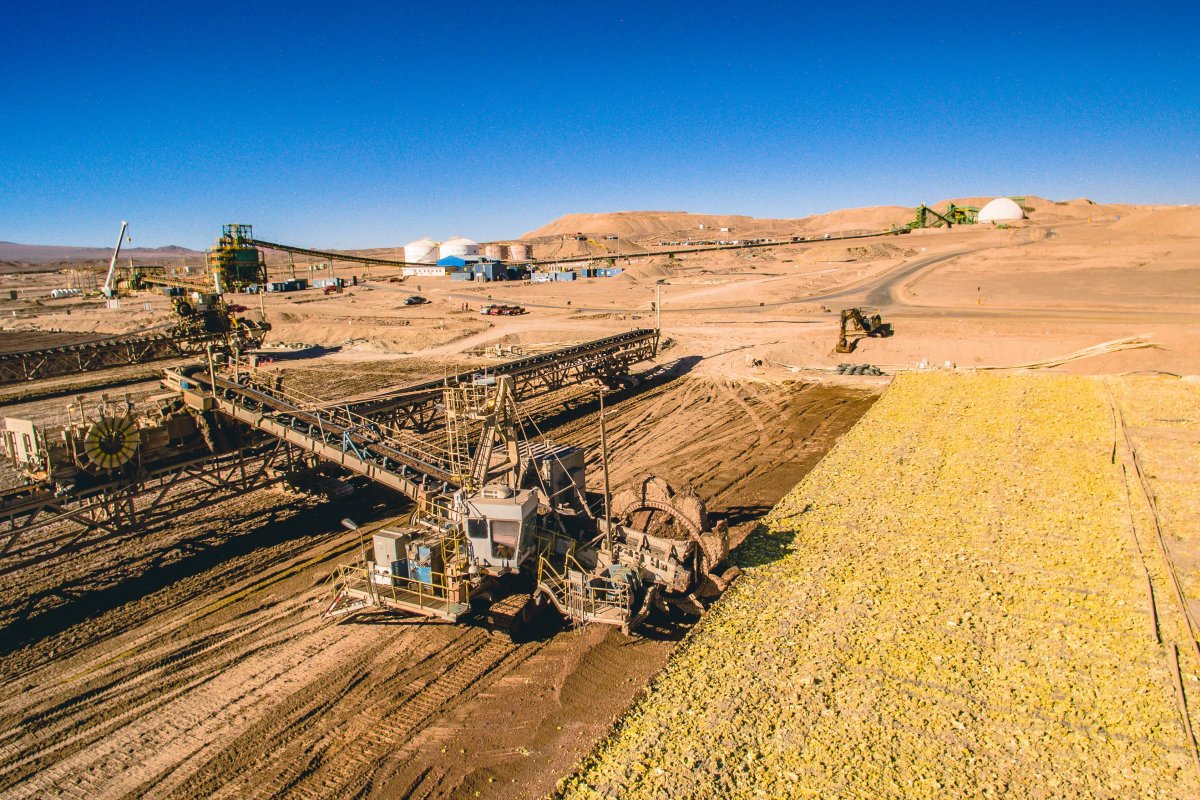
pixel 505 533
pixel 477 528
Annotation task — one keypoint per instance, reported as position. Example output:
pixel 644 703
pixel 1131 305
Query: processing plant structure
pixel 234 261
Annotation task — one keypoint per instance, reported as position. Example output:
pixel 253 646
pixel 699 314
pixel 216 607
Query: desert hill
pixel 643 225
pixel 640 223
pixel 45 253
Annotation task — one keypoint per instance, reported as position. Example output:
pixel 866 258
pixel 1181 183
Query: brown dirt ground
pixel 190 660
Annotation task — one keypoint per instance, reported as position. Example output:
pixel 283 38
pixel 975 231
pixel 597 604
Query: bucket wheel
pixel 111 442
pixel 655 508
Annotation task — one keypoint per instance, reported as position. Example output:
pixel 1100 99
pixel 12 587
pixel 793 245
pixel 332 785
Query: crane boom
pixel 108 290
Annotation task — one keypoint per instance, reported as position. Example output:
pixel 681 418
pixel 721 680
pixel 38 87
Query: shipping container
pixel 491 272
pixel 564 276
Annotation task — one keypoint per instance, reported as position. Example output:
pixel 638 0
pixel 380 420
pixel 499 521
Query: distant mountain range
pixel 47 253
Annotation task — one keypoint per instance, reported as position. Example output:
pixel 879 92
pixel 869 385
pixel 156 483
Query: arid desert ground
pixel 1033 636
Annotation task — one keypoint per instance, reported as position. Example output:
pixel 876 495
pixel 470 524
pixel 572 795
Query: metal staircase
pixel 580 598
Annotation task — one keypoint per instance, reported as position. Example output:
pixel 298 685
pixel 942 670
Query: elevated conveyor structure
pixel 38 522
pixel 602 256
pixel 117 351
pixel 415 406
pixel 379 438
pixel 395 458
pixel 331 255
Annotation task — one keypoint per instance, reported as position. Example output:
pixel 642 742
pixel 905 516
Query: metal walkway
pixel 375 438
pixel 353 589
pixel 102 354
pixel 394 458
pixel 415 406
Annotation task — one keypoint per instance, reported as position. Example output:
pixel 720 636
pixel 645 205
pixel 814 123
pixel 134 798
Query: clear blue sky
pixel 368 124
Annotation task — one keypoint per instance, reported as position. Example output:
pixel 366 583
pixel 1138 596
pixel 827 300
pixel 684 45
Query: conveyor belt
pixel 112 352
pixel 700 248
pixel 413 405
pixel 365 437
pixel 331 255
pixel 392 458
pixel 708 248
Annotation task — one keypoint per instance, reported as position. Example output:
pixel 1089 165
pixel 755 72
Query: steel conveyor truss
pixel 414 407
pixel 114 352
pixel 395 458
pixel 381 437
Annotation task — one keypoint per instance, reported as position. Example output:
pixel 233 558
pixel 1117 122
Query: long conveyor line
pixel 363 437
pixel 116 351
pixel 683 250
pixel 331 255
pixel 412 405
pixel 349 441
pixel 369 437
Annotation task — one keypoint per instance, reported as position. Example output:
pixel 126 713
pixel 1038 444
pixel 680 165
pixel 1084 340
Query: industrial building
pixel 423 270
pixel 468 268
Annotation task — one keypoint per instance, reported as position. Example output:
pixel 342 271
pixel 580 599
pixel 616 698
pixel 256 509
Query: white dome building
pixel 1002 209
pixel 422 251
pixel 458 246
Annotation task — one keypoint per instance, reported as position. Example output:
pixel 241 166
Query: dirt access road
pixel 206 671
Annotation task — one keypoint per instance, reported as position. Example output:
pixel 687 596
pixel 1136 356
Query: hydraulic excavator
pixel 857 323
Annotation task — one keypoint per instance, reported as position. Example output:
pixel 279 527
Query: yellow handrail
pixel 438 588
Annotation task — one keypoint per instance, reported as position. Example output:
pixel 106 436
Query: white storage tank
pixel 458 246
pixel 422 251
pixel 1002 209
pixel 518 252
pixel 494 250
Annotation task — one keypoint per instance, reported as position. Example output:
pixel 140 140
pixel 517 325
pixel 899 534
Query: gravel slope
pixel 951 604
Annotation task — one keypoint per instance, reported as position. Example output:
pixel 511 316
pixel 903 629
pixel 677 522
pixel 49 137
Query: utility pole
pixel 212 369
pixel 658 307
pixel 604 464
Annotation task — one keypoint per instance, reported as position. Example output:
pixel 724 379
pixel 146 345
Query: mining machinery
pixel 232 264
pixel 926 217
pixel 503 529
pixel 511 536
pixel 200 320
pixel 193 445
pixel 109 289
pixel 110 440
pixel 857 323
pixel 207 314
